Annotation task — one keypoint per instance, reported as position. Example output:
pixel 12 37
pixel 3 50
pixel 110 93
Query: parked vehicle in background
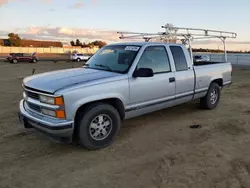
pixel 79 57
pixel 200 58
pixel 22 57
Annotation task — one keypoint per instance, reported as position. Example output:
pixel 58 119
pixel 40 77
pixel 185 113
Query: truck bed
pixel 206 63
pixel 211 71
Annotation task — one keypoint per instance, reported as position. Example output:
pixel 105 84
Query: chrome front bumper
pixel 51 126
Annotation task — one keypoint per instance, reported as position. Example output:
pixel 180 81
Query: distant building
pixel 34 43
pixel 43 44
pixel 5 42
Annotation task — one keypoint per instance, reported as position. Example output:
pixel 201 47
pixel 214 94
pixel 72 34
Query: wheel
pixel 15 61
pixel 34 61
pixel 78 59
pixel 98 126
pixel 212 98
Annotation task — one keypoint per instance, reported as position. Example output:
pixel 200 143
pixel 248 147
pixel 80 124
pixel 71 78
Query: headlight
pixel 58 113
pixel 46 99
pixel 48 112
pixel 51 100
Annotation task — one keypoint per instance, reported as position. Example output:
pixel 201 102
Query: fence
pixel 4 50
pixel 236 59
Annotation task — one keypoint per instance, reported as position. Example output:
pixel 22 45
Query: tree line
pixel 90 44
pixel 15 40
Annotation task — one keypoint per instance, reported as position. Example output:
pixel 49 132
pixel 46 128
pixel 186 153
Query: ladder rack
pixel 185 35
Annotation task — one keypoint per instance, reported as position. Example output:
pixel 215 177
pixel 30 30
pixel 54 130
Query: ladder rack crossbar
pixel 197 29
pixel 187 33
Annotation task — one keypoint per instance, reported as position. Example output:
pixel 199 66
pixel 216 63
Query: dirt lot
pixel 155 150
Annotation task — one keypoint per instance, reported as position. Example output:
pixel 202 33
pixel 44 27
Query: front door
pixel 26 57
pixel 160 88
pixel 21 57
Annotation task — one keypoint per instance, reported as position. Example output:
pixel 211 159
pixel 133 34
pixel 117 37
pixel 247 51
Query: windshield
pixel 116 58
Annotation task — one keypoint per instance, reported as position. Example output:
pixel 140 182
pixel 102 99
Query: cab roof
pixel 142 43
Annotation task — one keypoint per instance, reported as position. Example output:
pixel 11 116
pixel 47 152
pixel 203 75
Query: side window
pixel 179 58
pixel 156 58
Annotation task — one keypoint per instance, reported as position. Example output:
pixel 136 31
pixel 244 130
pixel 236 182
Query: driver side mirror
pixel 143 72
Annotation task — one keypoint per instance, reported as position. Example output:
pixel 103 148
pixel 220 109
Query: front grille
pixel 32 95
pixel 34 107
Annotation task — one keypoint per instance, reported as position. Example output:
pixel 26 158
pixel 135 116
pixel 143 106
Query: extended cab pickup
pixel 120 81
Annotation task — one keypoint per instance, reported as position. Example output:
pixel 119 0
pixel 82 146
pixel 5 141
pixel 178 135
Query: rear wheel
pixel 78 59
pixel 211 100
pixel 98 126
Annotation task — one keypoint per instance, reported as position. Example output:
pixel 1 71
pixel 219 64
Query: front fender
pixel 77 104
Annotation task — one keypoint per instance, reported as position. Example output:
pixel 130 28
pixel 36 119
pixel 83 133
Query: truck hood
pixel 52 81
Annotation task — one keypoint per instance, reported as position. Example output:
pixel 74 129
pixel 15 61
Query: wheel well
pixel 218 81
pixel 115 102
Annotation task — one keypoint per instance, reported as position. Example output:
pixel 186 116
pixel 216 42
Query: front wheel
pixel 98 126
pixel 15 61
pixel 212 98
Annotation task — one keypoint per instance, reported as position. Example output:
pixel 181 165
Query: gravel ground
pixel 154 150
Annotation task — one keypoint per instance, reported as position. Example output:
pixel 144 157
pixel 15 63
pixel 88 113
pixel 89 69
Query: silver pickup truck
pixel 120 81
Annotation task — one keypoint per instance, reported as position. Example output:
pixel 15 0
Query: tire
pixel 34 61
pixel 78 59
pixel 92 132
pixel 15 61
pixel 212 98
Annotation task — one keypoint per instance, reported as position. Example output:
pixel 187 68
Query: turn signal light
pixel 60 114
pixel 59 101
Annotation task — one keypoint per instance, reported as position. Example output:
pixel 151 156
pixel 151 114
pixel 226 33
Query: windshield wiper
pixel 86 65
pixel 105 66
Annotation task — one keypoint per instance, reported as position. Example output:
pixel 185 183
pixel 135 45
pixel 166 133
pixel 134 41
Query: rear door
pixel 184 74
pixel 151 91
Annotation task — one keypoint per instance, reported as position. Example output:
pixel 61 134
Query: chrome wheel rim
pixel 100 127
pixel 213 96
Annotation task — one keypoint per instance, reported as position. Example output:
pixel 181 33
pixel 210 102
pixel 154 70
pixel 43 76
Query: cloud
pixel 47 1
pixel 64 34
pixel 52 10
pixel 93 2
pixel 3 2
pixel 80 4
pixel 77 5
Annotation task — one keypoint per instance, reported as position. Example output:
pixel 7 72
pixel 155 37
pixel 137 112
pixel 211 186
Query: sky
pixel 89 20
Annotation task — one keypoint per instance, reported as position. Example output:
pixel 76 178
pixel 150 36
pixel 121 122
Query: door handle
pixel 172 79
